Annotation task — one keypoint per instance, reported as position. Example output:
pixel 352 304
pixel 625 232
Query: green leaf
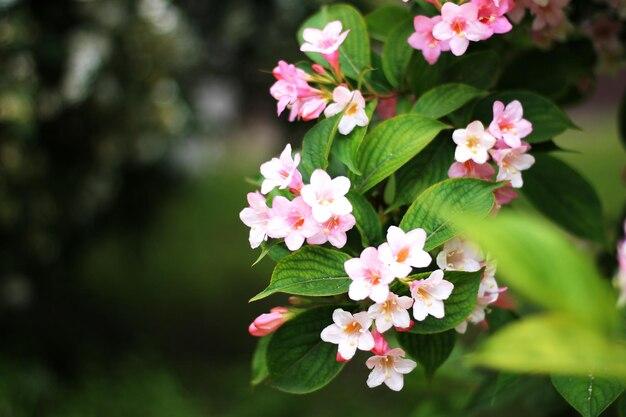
pixel 589 395
pixel 397 52
pixel 423 77
pixel 458 306
pixel 354 53
pixel 428 168
pixel 539 262
pixel 367 221
pixel 430 350
pixel 311 271
pixel 479 69
pixel 259 361
pixel 458 195
pixel 564 196
pixel 383 19
pixel 547 118
pixel 446 98
pixel 556 344
pixel 391 144
pixel 346 148
pixel 298 360
pixel 316 146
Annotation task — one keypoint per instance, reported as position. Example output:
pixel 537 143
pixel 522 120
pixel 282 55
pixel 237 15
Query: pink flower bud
pixel 387 107
pixel 268 323
pixel 341 359
pixel 405 329
pixel 381 347
pixel 506 301
pixel 318 69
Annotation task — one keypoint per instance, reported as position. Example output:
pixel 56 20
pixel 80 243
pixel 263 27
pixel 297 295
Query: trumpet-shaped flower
pixel 269 322
pixel 402 251
pixel 548 13
pixel 324 41
pixel 392 313
pixel 470 169
pixel 370 277
pixel 390 369
pixel 326 196
pixel 293 91
pixel 281 172
pixel 352 104
pixel 509 124
pixel 423 40
pixel 334 231
pixel 511 163
pixel 291 220
pixel 459 255
pixel 350 332
pixel 429 295
pixel 473 142
pixel 256 217
pixel 459 26
pixel 492 14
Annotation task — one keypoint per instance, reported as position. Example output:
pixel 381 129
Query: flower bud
pixel 268 323
pixel 317 68
pixel 405 329
pixel 381 347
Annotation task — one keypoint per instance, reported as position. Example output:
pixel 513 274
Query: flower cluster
pixel 307 96
pixel 502 141
pixel 317 213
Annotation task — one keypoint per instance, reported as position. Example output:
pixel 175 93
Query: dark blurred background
pixel 127 129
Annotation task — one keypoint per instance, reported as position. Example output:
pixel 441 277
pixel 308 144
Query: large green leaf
pixel 433 208
pixel 430 350
pixel 589 395
pixel 397 52
pixel 479 69
pixel 354 53
pixel 316 146
pixel 446 98
pixel 367 221
pixel 259 361
pixel 298 361
pixel 457 307
pixel 563 195
pixel 383 19
pixel 346 148
pixel 311 271
pixel 547 118
pixel 422 76
pixel 391 144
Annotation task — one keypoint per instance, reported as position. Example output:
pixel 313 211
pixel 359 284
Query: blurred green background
pixel 127 129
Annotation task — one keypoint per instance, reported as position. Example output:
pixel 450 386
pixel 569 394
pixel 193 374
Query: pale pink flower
pixel 460 255
pixel 334 231
pixel 389 368
pixel 281 172
pixel 488 293
pixel 392 313
pixel 509 124
pixel 325 41
pixel 422 39
pixel 269 322
pixel 293 91
pixel 326 196
pixel 548 13
pixel 370 277
pixel 352 104
pixel 470 169
pixel 473 142
pixel 350 332
pixel 459 26
pixel 380 344
pixel 492 14
pixel 256 217
pixel 512 162
pixel 429 294
pixel 402 251
pixel 291 220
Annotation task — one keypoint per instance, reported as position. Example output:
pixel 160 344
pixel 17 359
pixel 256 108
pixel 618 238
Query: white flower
pixel 256 217
pixel 429 294
pixel 280 172
pixel 389 369
pixel 352 104
pixel 488 293
pixel 473 143
pixel 404 250
pixel 325 41
pixel 459 255
pixel 393 312
pixel 370 276
pixel 349 332
pixel 326 196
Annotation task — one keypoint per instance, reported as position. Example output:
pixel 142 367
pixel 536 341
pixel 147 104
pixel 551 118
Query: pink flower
pixel 325 41
pixel 269 322
pixel 380 344
pixel 512 162
pixel 387 107
pixel 350 332
pixel 256 217
pixel 326 196
pixel 620 279
pixel 509 124
pixel 389 368
pixel 291 220
pixel 423 39
pixel 459 26
pixel 460 255
pixel 402 251
pixel 504 195
pixel 548 13
pixel 370 277
pixel 352 104
pixel 470 169
pixel 492 13
pixel 429 294
pixel 488 293
pixel 473 143
pixel 293 91
pixel 281 172
pixel 392 313
pixel 334 231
